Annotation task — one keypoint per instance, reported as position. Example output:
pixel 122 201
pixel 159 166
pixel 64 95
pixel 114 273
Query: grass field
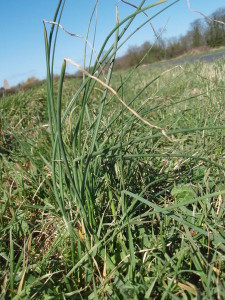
pixel 113 187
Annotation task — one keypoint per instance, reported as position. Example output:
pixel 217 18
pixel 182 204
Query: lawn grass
pixel 96 204
pixel 158 210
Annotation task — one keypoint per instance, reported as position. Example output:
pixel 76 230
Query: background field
pixel 164 235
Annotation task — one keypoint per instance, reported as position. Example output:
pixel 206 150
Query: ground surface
pixel 142 214
pixel 205 56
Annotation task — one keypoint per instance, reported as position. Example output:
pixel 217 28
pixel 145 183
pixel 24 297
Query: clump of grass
pixel 109 207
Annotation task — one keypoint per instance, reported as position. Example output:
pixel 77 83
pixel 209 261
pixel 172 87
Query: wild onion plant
pixel 112 201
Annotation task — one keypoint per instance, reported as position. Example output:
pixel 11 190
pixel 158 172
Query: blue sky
pixel 22 53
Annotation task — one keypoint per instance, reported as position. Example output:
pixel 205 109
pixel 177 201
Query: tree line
pixel 203 34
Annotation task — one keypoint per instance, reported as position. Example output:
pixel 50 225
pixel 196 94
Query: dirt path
pixel 200 57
